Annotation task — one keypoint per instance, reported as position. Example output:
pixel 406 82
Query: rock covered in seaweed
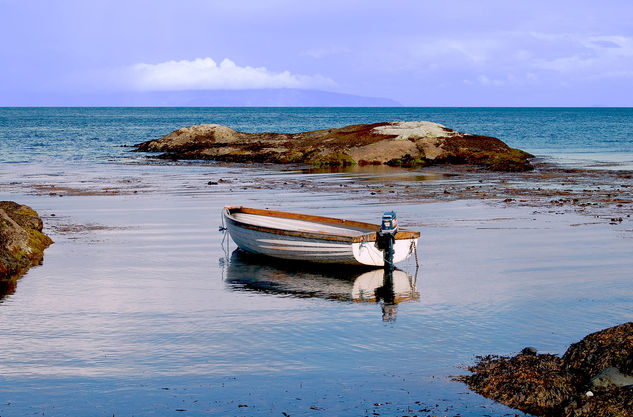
pixel 406 144
pixel 22 242
pixel 548 385
pixel 535 384
pixel 607 348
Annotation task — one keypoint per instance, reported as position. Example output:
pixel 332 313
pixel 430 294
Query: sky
pixel 415 52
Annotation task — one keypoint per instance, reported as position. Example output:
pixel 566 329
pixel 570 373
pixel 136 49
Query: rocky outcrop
pixel 611 347
pixel 22 242
pixel 591 379
pixel 405 144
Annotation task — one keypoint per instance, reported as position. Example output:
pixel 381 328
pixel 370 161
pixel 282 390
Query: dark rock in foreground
pixel 611 347
pixel 589 380
pixel 22 242
pixel 405 144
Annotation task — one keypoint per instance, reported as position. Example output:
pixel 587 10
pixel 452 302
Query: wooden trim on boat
pixel 366 237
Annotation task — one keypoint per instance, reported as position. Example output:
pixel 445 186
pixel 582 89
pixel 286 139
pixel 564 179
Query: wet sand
pixel 135 310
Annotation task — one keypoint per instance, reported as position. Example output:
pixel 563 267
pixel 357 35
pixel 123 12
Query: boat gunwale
pixel 365 237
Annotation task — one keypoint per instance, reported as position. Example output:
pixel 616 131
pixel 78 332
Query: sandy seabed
pixel 137 309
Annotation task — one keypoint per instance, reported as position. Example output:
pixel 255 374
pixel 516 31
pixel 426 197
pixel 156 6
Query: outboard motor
pixel 389 223
pixel 386 237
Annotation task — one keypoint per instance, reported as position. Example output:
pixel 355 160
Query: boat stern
pixel 366 251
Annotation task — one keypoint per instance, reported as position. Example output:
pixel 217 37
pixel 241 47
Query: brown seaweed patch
pixel 590 379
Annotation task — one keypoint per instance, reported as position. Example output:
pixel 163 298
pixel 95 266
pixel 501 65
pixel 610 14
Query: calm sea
pixel 139 308
pixel 589 136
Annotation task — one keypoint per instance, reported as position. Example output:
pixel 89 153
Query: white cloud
pixel 485 80
pixel 319 53
pixel 591 57
pixel 205 74
pixel 515 58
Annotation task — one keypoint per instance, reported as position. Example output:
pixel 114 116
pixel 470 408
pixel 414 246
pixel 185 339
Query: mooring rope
pixel 225 239
pixel 415 249
pixel 223 227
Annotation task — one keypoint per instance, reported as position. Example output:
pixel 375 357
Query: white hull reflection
pixel 366 284
pixel 248 272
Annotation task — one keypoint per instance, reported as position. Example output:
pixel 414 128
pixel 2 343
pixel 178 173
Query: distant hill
pixel 285 97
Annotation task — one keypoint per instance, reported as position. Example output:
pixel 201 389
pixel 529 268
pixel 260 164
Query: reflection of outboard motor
pixel 386 237
pixel 388 296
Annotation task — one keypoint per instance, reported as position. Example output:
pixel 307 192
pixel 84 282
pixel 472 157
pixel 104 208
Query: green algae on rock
pixel 548 385
pixel 404 144
pixel 22 242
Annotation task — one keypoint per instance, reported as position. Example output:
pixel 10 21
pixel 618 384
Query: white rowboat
pixel 303 237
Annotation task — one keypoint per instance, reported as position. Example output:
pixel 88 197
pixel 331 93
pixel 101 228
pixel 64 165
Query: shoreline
pixel 605 195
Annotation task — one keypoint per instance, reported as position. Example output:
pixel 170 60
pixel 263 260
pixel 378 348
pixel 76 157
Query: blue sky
pixel 419 53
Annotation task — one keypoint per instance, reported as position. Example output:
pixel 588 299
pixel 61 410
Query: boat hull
pixel 353 246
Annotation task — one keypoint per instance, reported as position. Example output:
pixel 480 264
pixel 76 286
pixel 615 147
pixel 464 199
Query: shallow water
pixel 142 313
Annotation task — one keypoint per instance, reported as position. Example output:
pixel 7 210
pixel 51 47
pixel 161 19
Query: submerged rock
pixel 530 350
pixel 406 144
pixel 548 385
pixel 22 242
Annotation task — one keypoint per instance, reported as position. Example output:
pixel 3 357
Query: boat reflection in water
pixel 248 272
